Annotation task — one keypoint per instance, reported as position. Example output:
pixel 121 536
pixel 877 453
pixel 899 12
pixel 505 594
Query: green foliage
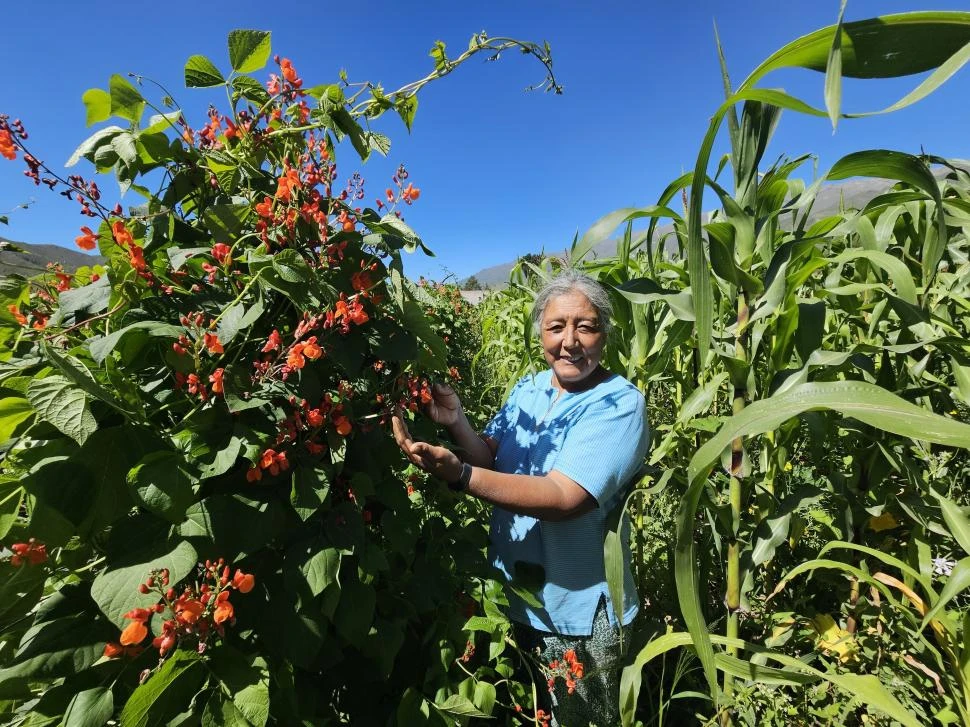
pixel 207 519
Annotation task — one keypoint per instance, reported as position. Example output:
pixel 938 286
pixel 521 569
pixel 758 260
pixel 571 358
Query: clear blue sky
pixel 502 172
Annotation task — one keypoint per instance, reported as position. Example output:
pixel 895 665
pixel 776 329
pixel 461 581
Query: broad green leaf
pixel 79 303
pixel 249 50
pixel 88 147
pixel 90 708
pixel 246 679
pixel 461 707
pixel 321 569
pixel 14 411
pixel 160 484
pixel 126 100
pixel 291 266
pixel 97 101
pixel 957 523
pixel 101 348
pixel 418 324
pixel 220 711
pixel 200 72
pixel 62 403
pixel 167 692
pixel 59 647
pixel 79 374
pixel 115 590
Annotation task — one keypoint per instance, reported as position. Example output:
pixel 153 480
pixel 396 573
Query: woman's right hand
pixel 445 406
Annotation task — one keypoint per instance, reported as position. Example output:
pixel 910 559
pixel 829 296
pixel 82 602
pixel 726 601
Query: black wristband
pixel 461 484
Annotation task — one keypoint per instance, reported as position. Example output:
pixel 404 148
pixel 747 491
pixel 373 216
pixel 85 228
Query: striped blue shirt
pixel 598 438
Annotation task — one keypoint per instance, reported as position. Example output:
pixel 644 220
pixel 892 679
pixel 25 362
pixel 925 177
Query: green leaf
pixel 80 375
pixel 437 52
pixel 160 484
pixel 62 403
pixel 115 590
pixel 461 707
pixel 956 583
pixel 246 679
pixel 833 72
pixel 126 101
pixel 98 104
pixel 249 50
pixel 291 266
pixel 866 402
pixel 417 323
pixel 200 72
pixel 167 692
pixel 13 412
pixel 957 523
pixel 101 348
pixel 220 711
pixel 406 108
pixel 90 708
pixel 321 569
pixel 11 495
pixel 601 230
pixel 884 163
pixel 77 304
pixel 88 147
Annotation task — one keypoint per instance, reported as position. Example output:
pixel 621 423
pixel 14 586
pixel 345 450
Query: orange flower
pixel 63 282
pixel 311 350
pixel 314 418
pixel 40 321
pixel 243 582
pixel 216 380
pixel 31 552
pixel 343 425
pixel 287 184
pixel 294 358
pixel 7 148
pixel 134 633
pixel 273 342
pixel 212 343
pixel 224 609
pixel 356 313
pixel 121 234
pixel 15 311
pixel 360 281
pixel 254 474
pixel 220 251
pixel 87 241
pixel 113 650
pixel 188 610
pixel 289 72
pixel 410 193
pixel 265 208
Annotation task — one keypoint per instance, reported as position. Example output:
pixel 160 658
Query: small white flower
pixel 943 566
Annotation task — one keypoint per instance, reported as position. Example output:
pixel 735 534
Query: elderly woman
pixel 554 462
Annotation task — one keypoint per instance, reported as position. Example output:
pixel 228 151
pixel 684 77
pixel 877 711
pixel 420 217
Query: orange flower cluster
pixel 299 352
pixel 31 553
pixel 345 313
pixel 15 312
pixel 136 255
pixel 271 460
pixel 570 669
pixel 195 613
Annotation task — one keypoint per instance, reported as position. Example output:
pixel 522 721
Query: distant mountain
pixel 34 258
pixel 854 193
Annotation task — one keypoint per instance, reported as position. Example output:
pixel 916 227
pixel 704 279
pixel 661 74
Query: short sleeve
pixel 606 444
pixel 503 420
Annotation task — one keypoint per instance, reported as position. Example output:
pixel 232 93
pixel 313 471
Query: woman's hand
pixel 438 461
pixel 445 406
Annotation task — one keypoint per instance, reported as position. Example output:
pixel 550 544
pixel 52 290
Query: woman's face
pixel 572 339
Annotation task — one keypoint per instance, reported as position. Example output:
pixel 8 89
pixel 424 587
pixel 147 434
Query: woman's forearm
pixel 549 497
pixel 473 448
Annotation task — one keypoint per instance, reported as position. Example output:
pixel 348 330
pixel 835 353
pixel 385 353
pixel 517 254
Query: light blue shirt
pixel 598 438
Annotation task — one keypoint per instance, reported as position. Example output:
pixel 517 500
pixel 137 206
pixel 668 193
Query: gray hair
pixel 572 281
